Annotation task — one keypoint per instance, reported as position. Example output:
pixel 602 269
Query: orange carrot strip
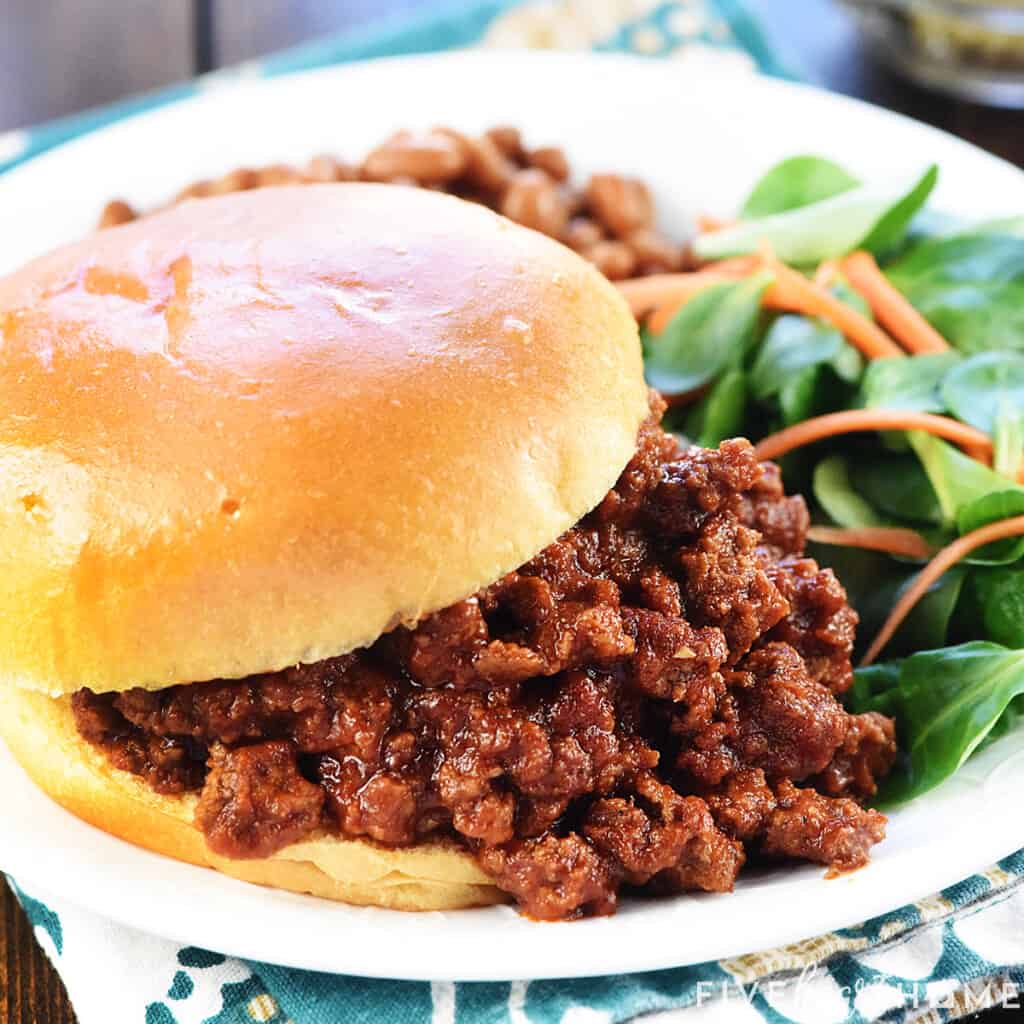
pixel 826 274
pixel 945 559
pixel 707 223
pixel 976 443
pixel 892 540
pixel 795 294
pixel 890 306
pixel 660 290
pixel 791 292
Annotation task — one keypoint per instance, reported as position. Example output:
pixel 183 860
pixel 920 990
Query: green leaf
pixel 927 624
pixel 998 595
pixel 978 388
pixel 947 701
pixel 992 508
pixel 907 383
pixel 956 478
pixel 709 334
pixel 1008 441
pixel 720 413
pixel 792 344
pixel 969 285
pixel 836 495
pixel 796 182
pixel 898 486
pixel 875 688
pixel 813 391
pixel 825 229
pixel 893 224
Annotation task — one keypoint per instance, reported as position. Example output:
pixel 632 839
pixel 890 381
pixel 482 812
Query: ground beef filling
pixel 647 703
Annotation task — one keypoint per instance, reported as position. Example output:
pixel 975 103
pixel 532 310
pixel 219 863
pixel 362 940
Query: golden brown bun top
pixel 263 429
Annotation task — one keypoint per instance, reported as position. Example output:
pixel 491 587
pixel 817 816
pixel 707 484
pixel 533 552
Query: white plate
pixel 700 142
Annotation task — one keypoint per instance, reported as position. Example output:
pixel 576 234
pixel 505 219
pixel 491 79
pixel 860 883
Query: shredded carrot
pixel 796 294
pixel 974 442
pixel 673 290
pixel 944 560
pixel 707 223
pixel 890 306
pixel 890 539
pixel 791 292
pixel 825 275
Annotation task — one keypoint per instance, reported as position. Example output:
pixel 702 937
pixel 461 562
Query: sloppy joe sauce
pixel 647 703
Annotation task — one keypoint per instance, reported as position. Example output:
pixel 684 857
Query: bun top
pixel 263 429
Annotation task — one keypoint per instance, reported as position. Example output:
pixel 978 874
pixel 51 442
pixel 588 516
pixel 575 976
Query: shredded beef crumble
pixel 633 707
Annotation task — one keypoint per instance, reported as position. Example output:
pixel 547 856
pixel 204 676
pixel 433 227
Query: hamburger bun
pixel 264 429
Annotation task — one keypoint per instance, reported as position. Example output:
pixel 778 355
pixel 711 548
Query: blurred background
pixel 61 56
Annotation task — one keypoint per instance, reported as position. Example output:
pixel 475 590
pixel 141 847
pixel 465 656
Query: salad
pixel 877 353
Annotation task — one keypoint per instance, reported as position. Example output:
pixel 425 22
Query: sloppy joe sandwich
pixel 343 552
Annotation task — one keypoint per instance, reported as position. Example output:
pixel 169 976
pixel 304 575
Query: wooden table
pixel 50 54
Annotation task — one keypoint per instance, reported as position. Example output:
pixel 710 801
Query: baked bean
pixel 488 169
pixel 427 159
pixel 652 249
pixel 278 174
pixel 582 233
pixel 508 139
pixel 533 199
pixel 551 160
pixel 239 180
pixel 614 259
pixel 610 222
pixel 325 167
pixel 117 211
pixel 623 205
pixel 197 190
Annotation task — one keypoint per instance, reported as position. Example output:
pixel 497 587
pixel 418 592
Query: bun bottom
pixel 40 732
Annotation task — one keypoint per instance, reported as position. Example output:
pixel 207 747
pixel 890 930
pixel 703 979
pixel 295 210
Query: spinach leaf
pixel 893 224
pixel 991 508
pixel 907 383
pixel 796 182
pixel 898 486
pixel 720 413
pixel 825 229
pixel 791 344
pixel 709 334
pixel 969 285
pixel 996 596
pixel 946 701
pixel 813 391
pixel 1008 442
pixel 977 389
pixel 836 495
pixel 956 478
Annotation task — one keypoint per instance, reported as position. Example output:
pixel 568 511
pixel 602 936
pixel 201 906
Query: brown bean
pixel 117 211
pixel 277 174
pixel 623 205
pixel 239 180
pixel 614 259
pixel 582 233
pixel 551 160
pixel 197 190
pixel 508 139
pixel 533 200
pixel 655 250
pixel 488 169
pixel 325 167
pixel 428 158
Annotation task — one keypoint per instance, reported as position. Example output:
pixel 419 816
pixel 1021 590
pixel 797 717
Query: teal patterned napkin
pixel 956 952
